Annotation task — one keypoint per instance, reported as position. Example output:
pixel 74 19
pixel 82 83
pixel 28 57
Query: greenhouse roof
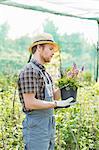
pixel 83 9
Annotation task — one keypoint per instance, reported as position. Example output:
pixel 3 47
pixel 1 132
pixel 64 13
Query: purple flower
pixel 74 66
pixel 74 72
pixel 70 74
pixel 82 69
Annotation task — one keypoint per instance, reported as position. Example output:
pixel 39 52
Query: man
pixel 37 96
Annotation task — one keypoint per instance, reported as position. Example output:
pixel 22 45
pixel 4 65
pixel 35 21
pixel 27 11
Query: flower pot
pixel 67 92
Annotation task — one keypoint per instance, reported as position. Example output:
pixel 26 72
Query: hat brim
pixel 56 47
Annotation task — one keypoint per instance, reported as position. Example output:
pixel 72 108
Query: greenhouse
pixel 75 27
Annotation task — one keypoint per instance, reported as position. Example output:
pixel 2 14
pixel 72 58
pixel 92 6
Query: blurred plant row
pixel 77 127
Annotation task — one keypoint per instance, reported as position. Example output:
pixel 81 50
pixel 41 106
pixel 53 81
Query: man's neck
pixel 38 59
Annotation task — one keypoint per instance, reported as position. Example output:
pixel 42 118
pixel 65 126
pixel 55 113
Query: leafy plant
pixel 77 127
pixel 72 77
pixel 87 76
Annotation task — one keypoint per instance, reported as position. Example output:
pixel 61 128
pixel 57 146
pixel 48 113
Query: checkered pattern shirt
pixel 31 81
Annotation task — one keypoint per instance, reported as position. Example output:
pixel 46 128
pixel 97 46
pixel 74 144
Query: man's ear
pixel 39 47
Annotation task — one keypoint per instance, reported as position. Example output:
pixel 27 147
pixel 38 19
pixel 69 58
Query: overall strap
pixel 37 68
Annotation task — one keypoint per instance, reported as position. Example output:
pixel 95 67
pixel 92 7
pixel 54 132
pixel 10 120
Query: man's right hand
pixel 65 103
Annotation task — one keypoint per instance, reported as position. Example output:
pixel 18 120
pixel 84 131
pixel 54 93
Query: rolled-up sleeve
pixel 28 81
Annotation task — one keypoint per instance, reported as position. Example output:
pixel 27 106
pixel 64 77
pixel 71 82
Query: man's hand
pixel 65 103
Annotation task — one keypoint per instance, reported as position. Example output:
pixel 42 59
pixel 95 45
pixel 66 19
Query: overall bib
pixel 39 125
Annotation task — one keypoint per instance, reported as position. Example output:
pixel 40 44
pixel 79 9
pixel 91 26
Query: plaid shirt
pixel 31 81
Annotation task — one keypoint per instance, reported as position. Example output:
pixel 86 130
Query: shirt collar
pixel 38 64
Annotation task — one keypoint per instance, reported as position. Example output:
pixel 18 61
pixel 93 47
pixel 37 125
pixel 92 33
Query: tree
pixel 22 43
pixel 4 28
pixel 73 48
pixel 52 29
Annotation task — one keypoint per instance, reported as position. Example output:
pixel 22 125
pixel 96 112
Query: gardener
pixel 37 96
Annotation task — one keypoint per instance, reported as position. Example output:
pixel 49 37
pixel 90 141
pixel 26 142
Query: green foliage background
pixel 77 127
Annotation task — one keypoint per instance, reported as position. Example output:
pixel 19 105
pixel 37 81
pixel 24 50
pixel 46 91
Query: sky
pixel 22 22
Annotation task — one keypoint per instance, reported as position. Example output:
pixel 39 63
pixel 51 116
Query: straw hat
pixel 44 38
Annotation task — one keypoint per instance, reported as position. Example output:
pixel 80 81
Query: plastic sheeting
pixel 85 9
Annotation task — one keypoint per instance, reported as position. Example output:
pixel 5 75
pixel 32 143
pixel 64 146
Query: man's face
pixel 47 52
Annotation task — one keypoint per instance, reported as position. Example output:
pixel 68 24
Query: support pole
pixel 97 67
pixel 60 60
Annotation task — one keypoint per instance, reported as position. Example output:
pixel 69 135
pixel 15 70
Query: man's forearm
pixel 32 103
pixel 39 104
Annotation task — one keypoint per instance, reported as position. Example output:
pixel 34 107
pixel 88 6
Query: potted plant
pixel 70 81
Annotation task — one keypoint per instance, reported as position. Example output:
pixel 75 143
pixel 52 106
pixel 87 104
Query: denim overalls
pixel 39 125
